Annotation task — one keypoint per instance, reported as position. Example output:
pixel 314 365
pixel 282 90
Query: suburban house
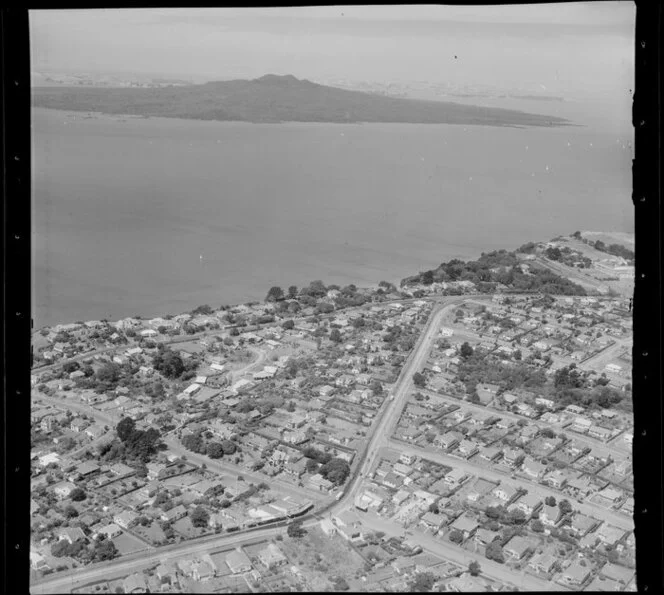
pixel 455 477
pixel 581 424
pixel 125 518
pixel 490 453
pixel 238 561
pixel 600 432
pixel 433 521
pixel 511 456
pixel 407 459
pixel 174 514
pixel 468 448
pixel 550 515
pixel 135 583
pixel 581 524
pixel 466 524
pixel 485 537
pixel 348 526
pixel 318 482
pixel 556 479
pixel 533 468
pixel 85 470
pixel 528 504
pixel 575 574
pixel 609 534
pixel 610 495
pixel 447 440
pixel 71 534
pixel 543 562
pixel 517 547
pixel 110 531
pixel 272 557
pixel 506 493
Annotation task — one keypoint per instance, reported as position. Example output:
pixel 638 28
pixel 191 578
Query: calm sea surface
pixel 124 210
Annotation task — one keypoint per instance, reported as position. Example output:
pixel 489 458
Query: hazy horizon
pixel 504 46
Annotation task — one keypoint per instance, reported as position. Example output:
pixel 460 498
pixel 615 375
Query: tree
pixel 125 428
pixel 292 292
pixel 553 253
pixel 228 446
pixel 550 501
pixel 433 507
pixel 70 367
pixel 105 550
pixel 109 373
pixel 419 379
pixel 324 308
pixel 70 512
pixel 287 325
pixel 565 507
pixel 335 336
pixel 537 526
pixel 199 517
pixel 295 529
pixel 335 470
pixel 77 494
pixel 215 450
pixel 340 584
pixel 168 363
pixel 456 536
pixel 494 551
pixel 474 568
pixel 275 294
pixel 423 582
pixel 466 350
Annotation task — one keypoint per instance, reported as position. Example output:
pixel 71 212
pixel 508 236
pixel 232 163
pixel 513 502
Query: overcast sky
pixel 575 49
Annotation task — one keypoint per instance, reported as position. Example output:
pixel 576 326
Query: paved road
pixel 456 554
pixel 68 580
pixel 608 354
pixel 242 371
pixel 392 411
pixel 481 471
pixel 587 441
pixel 218 466
pixel 71 404
pixel 178 339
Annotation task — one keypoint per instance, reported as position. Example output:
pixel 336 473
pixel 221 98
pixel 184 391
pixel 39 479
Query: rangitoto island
pixel 469 430
pixel 273 98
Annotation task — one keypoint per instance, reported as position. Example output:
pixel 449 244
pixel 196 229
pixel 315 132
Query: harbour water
pixel 156 216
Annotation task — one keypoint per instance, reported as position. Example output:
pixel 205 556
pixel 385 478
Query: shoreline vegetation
pixel 278 99
pixel 497 271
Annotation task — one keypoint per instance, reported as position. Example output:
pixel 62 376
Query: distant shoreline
pixel 117 117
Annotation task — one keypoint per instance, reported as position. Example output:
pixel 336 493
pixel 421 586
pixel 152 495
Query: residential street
pixel 611 517
pixel 218 466
pixel 585 440
pixel 457 554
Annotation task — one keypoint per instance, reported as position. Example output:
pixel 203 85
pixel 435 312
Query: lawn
pixel 152 533
pixel 187 530
pixel 127 544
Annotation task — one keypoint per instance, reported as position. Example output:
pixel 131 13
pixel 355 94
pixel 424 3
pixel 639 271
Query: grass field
pixel 127 544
